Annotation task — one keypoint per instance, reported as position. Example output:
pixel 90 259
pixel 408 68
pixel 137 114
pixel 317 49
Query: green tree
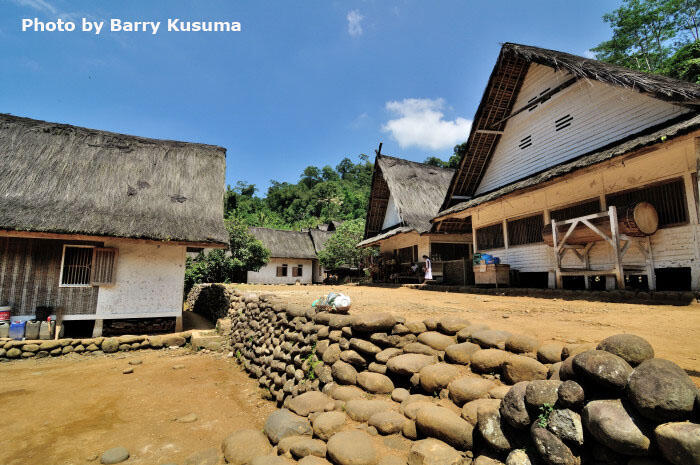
pixel 685 63
pixel 341 248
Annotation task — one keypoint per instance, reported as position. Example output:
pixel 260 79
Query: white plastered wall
pixel 268 273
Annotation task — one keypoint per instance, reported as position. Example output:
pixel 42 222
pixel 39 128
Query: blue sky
pixel 304 83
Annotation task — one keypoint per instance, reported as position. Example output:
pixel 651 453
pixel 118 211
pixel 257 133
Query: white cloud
pixel 421 123
pixel 39 5
pixel 589 54
pixel 354 23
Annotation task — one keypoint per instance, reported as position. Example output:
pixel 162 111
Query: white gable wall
pixel 601 113
pixel 268 273
pixel 392 216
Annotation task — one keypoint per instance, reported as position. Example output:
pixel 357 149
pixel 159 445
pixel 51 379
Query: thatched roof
pixel 417 190
pixel 286 244
pixel 320 237
pixel 502 91
pixel 58 178
pixel 649 137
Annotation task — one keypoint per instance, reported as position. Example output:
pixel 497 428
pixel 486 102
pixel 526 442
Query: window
pixel 563 122
pixel 298 271
pixel 407 254
pixel 86 265
pixel 195 249
pixel 282 270
pixel 668 198
pixel 443 251
pixel 573 211
pixel 490 237
pixel 525 230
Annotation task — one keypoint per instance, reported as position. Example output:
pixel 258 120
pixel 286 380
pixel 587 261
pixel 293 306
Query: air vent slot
pixel 544 92
pixel 530 101
pixel 525 142
pixel 563 122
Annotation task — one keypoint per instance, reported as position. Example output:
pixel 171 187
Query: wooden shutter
pixel 104 266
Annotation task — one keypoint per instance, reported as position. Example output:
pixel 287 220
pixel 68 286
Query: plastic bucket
pixel 17 330
pixel 5 313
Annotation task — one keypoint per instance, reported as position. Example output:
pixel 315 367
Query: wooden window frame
pixel 552 211
pixel 298 270
pixel 63 261
pixel 537 235
pixel 103 271
pixel 93 282
pixel 684 199
pixel 282 271
pixel 503 237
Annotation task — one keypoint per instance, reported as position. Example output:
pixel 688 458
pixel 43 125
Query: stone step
pixel 207 340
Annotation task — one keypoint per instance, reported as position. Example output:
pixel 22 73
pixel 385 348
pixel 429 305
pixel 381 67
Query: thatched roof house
pixel 286 244
pixel 99 222
pixel 558 136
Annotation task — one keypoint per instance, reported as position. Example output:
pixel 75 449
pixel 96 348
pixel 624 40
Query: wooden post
pixel 557 257
pixel 505 234
pixel 651 274
pixel 690 198
pixel 614 229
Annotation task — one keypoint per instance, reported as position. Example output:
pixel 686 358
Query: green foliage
pixel 311 362
pixel 452 162
pixel 648 35
pixel 543 417
pixel 340 248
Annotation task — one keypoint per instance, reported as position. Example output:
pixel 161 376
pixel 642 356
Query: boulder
pixel 399 394
pixel 387 422
pixel 513 408
pixel 497 433
pixel 488 360
pixel 386 354
pixel 436 340
pixel 436 377
pixel 280 460
pixel 451 325
pixel 444 424
pixel 419 348
pixel 490 338
pixel 353 358
pixel 242 446
pixel 499 392
pixel 352 448
pixel 517 368
pixel 552 450
pixel 364 347
pixel 613 424
pixel 465 334
pixel 346 393
pixel 362 409
pixel 306 446
pixel 541 392
pixel 430 324
pixel 327 424
pixel 522 344
pixel 416 327
pixel 373 322
pixel 114 455
pixel 632 349
pixel 375 383
pixel 331 354
pixel 14 352
pixel 679 442
pixel 602 369
pixel 310 402
pixel 571 350
pixel 409 364
pixel 571 395
pixel 173 340
pixel 470 410
pixel 566 425
pixel 110 345
pixel 460 353
pixel 550 352
pixel 467 388
pixel 662 391
pixel 433 452
pixel 344 373
pixel 410 408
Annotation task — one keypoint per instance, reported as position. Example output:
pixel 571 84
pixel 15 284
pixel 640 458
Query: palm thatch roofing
pixel 502 91
pixel 63 179
pixel 417 190
pixel 292 244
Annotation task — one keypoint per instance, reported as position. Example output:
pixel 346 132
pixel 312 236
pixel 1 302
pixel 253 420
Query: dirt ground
pixel 68 409
pixel 673 331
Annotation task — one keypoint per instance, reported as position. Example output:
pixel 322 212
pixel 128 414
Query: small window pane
pixel 77 263
pixel 668 199
pixel 490 237
pixel 525 230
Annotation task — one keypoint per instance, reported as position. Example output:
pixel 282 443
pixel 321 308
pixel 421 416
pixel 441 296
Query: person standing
pixel 428 268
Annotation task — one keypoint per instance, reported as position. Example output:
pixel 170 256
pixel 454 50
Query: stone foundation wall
pixel 486 396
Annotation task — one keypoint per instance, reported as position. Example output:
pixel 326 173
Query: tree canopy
pixel 341 250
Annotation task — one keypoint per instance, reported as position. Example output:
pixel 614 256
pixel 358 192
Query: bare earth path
pixel 673 331
pixel 65 410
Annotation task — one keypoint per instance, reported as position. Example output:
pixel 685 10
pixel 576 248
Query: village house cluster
pixel 95 226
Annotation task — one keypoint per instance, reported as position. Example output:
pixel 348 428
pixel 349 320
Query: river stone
pixel 114 455
pixel 662 391
pixel 364 347
pixel 346 393
pixel 520 457
pixel 344 373
pixel 566 370
pixel 362 409
pixel 470 410
pixel 391 460
pixel 110 345
pixel 277 460
pixel 353 358
pixel 499 392
pixel 517 368
pixel 679 442
pixel 571 350
pixel 488 360
pixel 377 368
pixel 452 325
pixel 490 338
pixel 460 353
pixel 352 448
pixel 603 369
pixel 541 392
pixel 211 456
pixel 173 340
pixel 399 394
pixel 522 344
pixel 336 321
pixel 282 423
pixel 513 408
pixel 375 383
pixel 468 388
pixel 433 452
pixel 331 354
pixel 309 402
pixel 373 322
pixel 571 395
pixel 442 423
pixel 436 340
pixel 566 425
pixel 430 323
pixel 242 446
pixel 155 342
pixel 419 348
pixel 387 422
pixel 486 460
pixel 327 424
pixel 551 448
pixel 494 431
pixel 409 364
pixel 386 354
pixel 50 345
pixel 410 409
pixel 435 377
pixel 611 423
pixel 465 334
pixel 14 352
pixel 307 446
pixel 30 347
pixel 312 460
pixel 550 352
pixel 632 349
pixel 416 327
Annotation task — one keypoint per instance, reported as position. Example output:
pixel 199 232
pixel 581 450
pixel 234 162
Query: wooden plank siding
pixel 29 274
pixel 601 113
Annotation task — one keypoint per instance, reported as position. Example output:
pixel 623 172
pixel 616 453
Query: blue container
pixel 17 330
